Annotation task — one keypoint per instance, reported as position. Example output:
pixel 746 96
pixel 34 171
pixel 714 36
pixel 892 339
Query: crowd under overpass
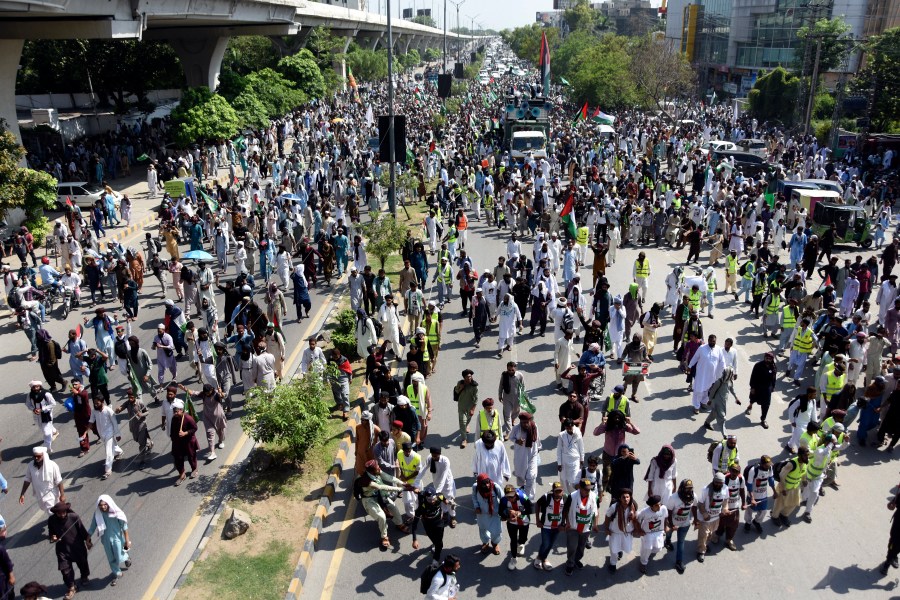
pixel 198 30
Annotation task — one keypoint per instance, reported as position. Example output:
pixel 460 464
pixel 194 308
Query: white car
pixel 82 194
pixel 755 147
pixel 716 145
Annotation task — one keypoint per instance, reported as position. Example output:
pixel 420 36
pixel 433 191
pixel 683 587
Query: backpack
pixel 14 299
pixel 568 321
pixel 743 269
pixel 120 348
pixel 428 576
pixel 710 450
pixel 776 470
pixel 158 245
pixel 358 487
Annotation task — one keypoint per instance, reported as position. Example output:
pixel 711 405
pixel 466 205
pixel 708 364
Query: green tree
pixel 326 48
pixel 115 69
pixel 582 17
pixel 836 40
pixel 292 415
pixel 661 74
pixel 880 80
pixel 203 115
pixel 525 41
pixel 276 93
pixel 424 20
pixel 248 53
pixel 301 70
pixel 26 189
pixel 385 237
pixel 250 111
pixel 368 65
pixel 600 75
pixel 774 96
pixel 433 54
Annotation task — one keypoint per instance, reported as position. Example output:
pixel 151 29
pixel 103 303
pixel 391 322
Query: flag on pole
pixel 211 202
pixel 568 214
pixel 370 116
pixel 602 118
pixel 581 115
pixel 351 80
pixel 189 406
pixel 544 63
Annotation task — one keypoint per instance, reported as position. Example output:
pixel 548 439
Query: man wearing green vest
pixel 772 314
pixel 819 458
pixel 802 342
pixel 616 401
pixel 641 273
pixel 420 398
pixel 787 491
pixel 789 315
pixel 731 269
pixel 410 463
pixel 488 419
pixel 747 279
pixel 830 383
pixel 443 275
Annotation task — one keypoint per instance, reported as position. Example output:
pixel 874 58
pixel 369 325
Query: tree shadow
pixel 854 578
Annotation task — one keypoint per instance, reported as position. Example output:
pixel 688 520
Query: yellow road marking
pixel 338 555
pixel 163 571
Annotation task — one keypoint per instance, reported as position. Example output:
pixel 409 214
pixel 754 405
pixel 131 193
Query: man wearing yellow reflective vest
pixel 641 273
pixel 409 463
pixel 787 491
pixel 711 287
pixel 772 314
pixel 803 342
pixel 488 419
pixel 731 269
pixel 789 315
pixel 830 383
pixel 819 458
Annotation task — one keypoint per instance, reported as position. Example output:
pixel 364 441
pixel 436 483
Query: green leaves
pixel 303 72
pixel 203 115
pixel 384 237
pixel 32 191
pixel 294 414
pixel 774 96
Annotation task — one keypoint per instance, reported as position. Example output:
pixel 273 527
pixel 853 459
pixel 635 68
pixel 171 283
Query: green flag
pixel 410 157
pixel 770 199
pixel 210 201
pixel 189 406
pixel 142 157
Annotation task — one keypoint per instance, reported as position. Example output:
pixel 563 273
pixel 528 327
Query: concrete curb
pixel 341 457
pixel 207 535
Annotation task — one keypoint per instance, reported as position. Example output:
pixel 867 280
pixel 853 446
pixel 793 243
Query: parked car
pixel 754 146
pixel 82 194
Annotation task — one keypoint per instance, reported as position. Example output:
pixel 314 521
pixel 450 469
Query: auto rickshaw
pixel 852 224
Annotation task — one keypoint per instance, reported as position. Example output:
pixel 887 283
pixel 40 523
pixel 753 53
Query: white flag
pixel 370 117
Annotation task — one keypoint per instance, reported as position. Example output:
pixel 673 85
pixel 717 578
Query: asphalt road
pixel 165 522
pixel 837 554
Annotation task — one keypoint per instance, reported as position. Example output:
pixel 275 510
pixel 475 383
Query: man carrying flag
pixel 353 87
pixel 568 214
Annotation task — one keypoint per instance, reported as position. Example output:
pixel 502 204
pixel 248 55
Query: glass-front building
pixel 771 39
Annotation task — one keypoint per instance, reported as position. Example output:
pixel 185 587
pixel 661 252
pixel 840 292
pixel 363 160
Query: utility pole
pixel 445 38
pixel 392 190
pixel 457 5
pixel 813 84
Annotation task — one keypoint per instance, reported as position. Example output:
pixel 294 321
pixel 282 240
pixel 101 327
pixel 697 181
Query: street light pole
pixel 392 199
pixel 457 5
pixel 813 84
pixel 445 37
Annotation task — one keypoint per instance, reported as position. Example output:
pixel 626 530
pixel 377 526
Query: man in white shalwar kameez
pixel 40 402
pixel 569 456
pixel 710 363
pixel 562 356
pixel 108 430
pixel 509 320
pixel 390 321
pixel 491 458
pixel 442 479
pixel 617 327
pixel 887 294
pixel 45 479
pixel 527 446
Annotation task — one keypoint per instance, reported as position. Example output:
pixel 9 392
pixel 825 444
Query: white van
pixel 525 142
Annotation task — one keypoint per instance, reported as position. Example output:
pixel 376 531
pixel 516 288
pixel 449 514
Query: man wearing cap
pixel 366 435
pixel 616 401
pixel 819 458
pixel 443 275
pixel 709 361
pixel 509 321
pixel 711 503
pixel 510 390
pixel 465 393
pixel 762 384
pixel 549 514
pixel 787 491
pixel 569 455
pixel 652 523
pixel 356 284
pixel 442 481
pixel 71 542
pixel 617 327
pixel 378 491
pixel 562 356
pixel 104 418
pixel 489 419
pixel 41 402
pixel 515 509
pixel 44 476
pixel 184 441
pixel 409 465
pixel 759 479
pixel 527 445
pixel 490 457
pixel 433 323
pixel 420 397
pixel 580 518
pixel 737 501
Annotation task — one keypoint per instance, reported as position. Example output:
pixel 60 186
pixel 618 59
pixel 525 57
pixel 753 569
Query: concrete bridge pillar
pixel 10 54
pixel 339 62
pixel 201 59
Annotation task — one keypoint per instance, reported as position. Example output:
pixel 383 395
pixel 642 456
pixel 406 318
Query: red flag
pixel 68 200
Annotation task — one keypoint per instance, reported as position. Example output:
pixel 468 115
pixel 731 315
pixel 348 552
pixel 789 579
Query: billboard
pixel 407 13
pixel 423 12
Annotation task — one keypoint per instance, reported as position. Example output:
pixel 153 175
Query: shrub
pixel 293 414
pixel 344 335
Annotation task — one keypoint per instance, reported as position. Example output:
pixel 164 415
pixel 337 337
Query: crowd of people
pixel 235 250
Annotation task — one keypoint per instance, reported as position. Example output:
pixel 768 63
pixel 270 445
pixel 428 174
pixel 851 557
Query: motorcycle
pixel 67 300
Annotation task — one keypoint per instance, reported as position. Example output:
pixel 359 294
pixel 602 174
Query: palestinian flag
pixel 410 157
pixel 581 115
pixel 602 117
pixel 544 63
pixel 211 202
pixel 136 386
pixel 568 213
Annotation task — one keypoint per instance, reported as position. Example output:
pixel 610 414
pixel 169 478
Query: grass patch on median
pixel 262 576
